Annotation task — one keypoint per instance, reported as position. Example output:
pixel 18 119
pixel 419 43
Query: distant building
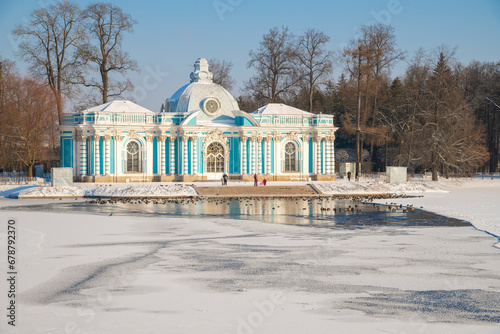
pixel 200 135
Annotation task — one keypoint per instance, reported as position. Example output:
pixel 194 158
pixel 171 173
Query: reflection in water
pixel 312 212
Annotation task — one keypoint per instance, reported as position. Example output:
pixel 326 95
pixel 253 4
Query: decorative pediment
pixel 292 136
pixel 215 135
pixel 132 134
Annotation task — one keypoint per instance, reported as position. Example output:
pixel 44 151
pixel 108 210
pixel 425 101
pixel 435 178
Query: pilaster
pixel 97 155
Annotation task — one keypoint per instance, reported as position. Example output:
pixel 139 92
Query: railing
pixel 176 119
pixel 289 120
pixel 122 118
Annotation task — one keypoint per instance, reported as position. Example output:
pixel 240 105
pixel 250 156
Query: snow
pixel 131 274
pixel 120 106
pixel 280 109
pixel 374 187
pixel 109 190
pixel 140 190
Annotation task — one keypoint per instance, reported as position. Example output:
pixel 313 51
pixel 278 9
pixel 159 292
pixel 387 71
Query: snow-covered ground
pixel 104 190
pixel 84 273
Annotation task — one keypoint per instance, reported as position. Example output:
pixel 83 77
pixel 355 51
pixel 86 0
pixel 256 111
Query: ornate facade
pixel 200 135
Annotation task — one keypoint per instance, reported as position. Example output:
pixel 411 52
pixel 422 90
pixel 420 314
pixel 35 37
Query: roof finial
pixel 201 72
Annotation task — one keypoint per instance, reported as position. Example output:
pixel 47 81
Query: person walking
pixel 224 177
pixel 349 176
pixel 255 180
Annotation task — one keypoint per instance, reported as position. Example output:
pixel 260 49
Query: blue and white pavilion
pixel 200 135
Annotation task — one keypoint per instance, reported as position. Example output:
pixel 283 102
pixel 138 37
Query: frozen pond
pixel 343 214
pixel 208 266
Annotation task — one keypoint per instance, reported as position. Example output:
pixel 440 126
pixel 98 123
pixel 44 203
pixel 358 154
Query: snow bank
pixel 36 192
pixel 105 190
pixel 161 190
pixel 343 187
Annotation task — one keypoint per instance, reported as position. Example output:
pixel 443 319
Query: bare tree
pixel 6 68
pixel 315 59
pixel 432 125
pixel 480 85
pixel 275 63
pixel 30 119
pixel 49 42
pixel 383 54
pixel 221 69
pixel 403 112
pixel 355 57
pixel 106 24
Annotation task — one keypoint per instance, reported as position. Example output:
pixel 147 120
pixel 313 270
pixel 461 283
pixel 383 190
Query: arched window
pixel 215 158
pixel 290 157
pixel 133 157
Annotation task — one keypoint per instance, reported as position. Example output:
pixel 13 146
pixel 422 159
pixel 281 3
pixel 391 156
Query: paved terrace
pixel 249 191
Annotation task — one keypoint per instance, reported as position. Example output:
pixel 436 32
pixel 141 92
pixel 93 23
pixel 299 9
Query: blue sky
pixel 170 35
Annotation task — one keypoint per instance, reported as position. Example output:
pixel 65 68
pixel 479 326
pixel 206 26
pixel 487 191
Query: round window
pixel 132 148
pixel 211 106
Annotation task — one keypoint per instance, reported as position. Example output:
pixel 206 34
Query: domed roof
pixel 120 106
pixel 280 109
pixel 191 97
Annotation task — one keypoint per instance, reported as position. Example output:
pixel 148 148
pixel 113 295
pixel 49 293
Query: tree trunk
pixel 30 171
pixel 385 153
pixel 104 87
pixel 311 100
pixel 374 114
pixel 358 120
pixel 358 133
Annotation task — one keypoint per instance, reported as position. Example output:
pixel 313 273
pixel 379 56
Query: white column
pixel 333 155
pixel 149 154
pixel 318 156
pixel 76 155
pixel 184 155
pixel 159 147
pixel 118 162
pixel 252 154
pixel 97 156
pixel 314 170
pixel 163 162
pixel 171 139
pixel 323 155
pixel 107 152
pixel 326 157
pixel 305 154
pixel 268 155
pixel 303 160
pixel 83 154
pixel 259 155
pixel 194 154
pixel 277 154
pixel 244 155
pixel 253 157
pixel 330 157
